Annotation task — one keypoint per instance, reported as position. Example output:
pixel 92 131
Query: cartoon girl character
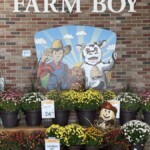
pixel 57 70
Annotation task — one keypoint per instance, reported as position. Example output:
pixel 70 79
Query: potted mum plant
pixel 137 133
pixel 31 106
pixel 74 136
pixel 9 107
pixel 94 138
pixel 108 95
pixel 145 105
pixel 35 140
pixel 63 106
pixel 12 140
pixel 58 132
pixel 116 139
pixel 129 105
pixel 86 105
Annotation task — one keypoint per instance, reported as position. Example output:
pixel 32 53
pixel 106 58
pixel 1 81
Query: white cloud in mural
pixel 68 36
pixel 111 47
pixel 81 33
pixel 40 41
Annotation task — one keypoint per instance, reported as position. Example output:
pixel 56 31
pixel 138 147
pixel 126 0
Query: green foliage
pixel 10 100
pixel 116 137
pixel 94 136
pixel 146 107
pixel 145 100
pixel 56 131
pixel 88 100
pixel 136 131
pixel 62 100
pixel 129 101
pixel 32 101
pixel 9 106
pixel 74 135
pixel 108 95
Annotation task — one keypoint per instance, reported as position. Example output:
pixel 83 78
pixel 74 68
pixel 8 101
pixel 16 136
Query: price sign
pixel 116 104
pixel 52 144
pixel 48 109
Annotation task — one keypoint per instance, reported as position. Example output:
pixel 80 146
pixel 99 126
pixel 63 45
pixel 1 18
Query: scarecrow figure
pixel 57 70
pixel 107 115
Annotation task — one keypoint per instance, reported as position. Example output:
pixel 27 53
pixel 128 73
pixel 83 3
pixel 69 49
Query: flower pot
pixel 63 147
pixel 61 117
pixel 117 147
pixel 91 148
pixel 46 122
pixel 137 147
pixel 74 147
pixel 126 115
pixel 33 118
pixel 86 117
pixel 39 148
pixel 146 117
pixel 9 119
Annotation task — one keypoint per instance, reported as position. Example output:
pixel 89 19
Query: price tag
pixel 52 144
pixel 116 104
pixel 48 109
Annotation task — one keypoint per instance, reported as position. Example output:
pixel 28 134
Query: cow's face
pixel 91 52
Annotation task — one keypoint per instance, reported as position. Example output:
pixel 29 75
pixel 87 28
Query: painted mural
pixel 74 57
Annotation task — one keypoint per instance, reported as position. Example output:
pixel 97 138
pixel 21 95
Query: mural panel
pixel 74 57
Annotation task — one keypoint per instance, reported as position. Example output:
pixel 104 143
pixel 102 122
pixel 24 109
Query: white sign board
pixel 52 144
pixel 48 109
pixel 2 84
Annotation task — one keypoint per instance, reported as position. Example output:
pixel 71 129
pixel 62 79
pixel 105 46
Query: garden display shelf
pixel 22 127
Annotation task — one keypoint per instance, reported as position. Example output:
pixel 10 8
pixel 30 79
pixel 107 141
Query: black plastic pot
pixel 91 148
pixel 61 117
pixel 126 116
pixel 33 118
pixel 86 117
pixel 146 117
pixel 74 147
pixel 9 119
pixel 137 147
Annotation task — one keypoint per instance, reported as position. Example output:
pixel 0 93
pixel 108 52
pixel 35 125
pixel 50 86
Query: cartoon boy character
pixel 57 70
pixel 107 115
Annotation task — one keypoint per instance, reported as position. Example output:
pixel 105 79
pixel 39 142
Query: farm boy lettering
pixel 99 6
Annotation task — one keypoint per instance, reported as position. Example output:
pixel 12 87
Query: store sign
pixel 52 144
pixel 99 6
pixel 48 109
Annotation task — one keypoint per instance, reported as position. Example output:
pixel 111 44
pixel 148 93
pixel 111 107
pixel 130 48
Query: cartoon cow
pixel 93 67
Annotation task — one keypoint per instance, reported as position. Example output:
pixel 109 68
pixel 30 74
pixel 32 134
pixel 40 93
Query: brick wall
pixel 133 44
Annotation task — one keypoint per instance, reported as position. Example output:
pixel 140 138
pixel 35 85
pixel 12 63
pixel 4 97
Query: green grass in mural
pixel 44 81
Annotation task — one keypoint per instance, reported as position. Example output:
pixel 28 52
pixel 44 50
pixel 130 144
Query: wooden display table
pixel 23 127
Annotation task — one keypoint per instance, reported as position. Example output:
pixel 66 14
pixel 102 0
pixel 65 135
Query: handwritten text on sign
pixel 52 144
pixel 48 109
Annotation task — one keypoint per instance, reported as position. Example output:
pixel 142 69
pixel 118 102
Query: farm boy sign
pixel 99 6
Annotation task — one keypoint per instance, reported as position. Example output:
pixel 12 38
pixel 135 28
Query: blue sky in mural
pixel 73 35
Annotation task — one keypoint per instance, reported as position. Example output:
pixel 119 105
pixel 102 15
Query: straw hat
pixel 58 45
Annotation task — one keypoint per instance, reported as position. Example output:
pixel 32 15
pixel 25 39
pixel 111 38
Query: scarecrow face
pixel 107 114
pixel 58 55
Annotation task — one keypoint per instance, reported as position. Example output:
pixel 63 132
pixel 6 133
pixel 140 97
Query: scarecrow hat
pixel 109 106
pixel 58 45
